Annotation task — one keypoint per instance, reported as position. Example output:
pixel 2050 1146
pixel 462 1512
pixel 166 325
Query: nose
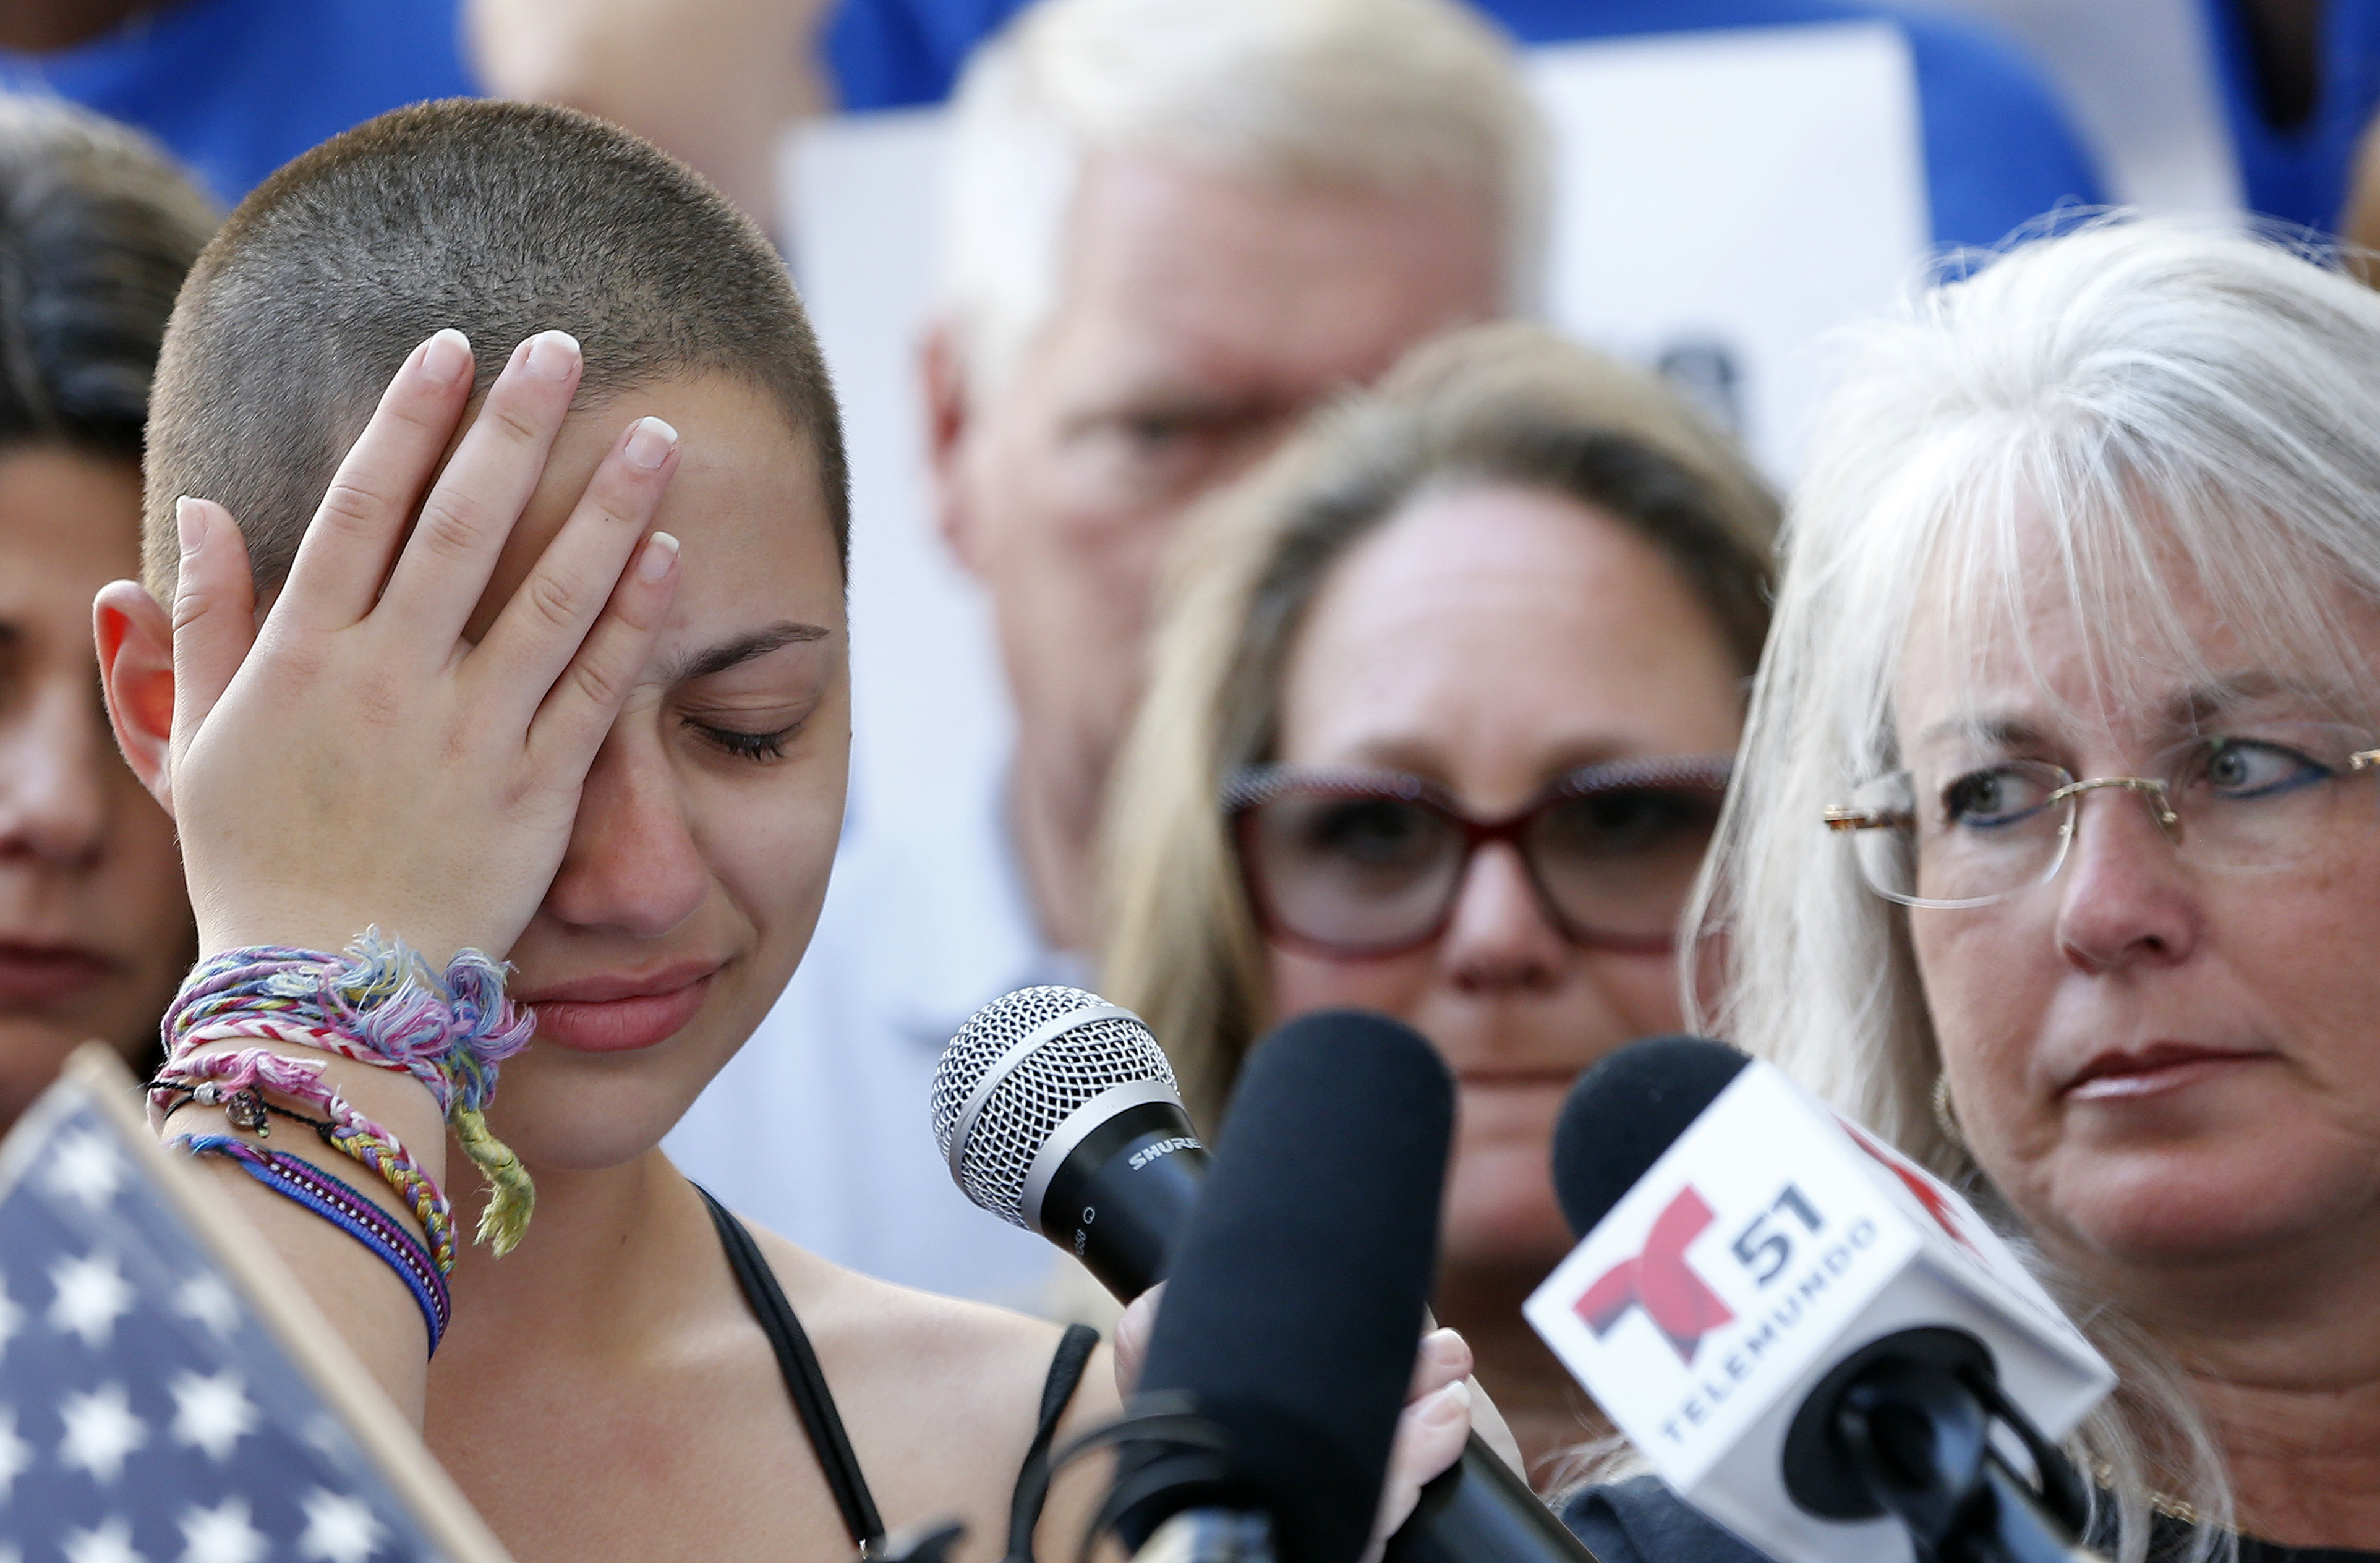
pixel 632 866
pixel 1499 938
pixel 56 756
pixel 2126 897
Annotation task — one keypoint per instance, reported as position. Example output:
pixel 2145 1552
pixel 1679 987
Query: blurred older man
pixel 1173 225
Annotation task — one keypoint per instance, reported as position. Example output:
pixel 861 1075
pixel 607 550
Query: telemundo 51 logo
pixel 1771 1250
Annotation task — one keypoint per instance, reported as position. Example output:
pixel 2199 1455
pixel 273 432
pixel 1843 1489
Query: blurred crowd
pixel 1364 640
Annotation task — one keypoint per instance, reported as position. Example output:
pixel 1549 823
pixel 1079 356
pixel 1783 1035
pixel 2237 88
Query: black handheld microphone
pixel 1058 1113
pixel 1298 1289
pixel 1842 1343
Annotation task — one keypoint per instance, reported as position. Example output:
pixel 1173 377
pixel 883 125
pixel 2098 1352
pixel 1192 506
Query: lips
pixel 1558 1079
pixel 619 1013
pixel 2159 1067
pixel 36 974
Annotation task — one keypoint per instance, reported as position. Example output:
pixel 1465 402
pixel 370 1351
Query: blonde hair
pixel 1370 94
pixel 2101 415
pixel 1504 404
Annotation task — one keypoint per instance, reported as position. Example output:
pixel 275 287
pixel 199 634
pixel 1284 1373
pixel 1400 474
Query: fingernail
pixel 1445 1348
pixel 448 356
pixel 661 549
pixel 553 354
pixel 189 524
pixel 649 443
pixel 1448 1405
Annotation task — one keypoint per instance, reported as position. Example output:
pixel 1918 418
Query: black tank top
pixel 815 1404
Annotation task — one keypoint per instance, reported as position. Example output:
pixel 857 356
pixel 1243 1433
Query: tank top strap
pixel 813 1402
pixel 1073 1353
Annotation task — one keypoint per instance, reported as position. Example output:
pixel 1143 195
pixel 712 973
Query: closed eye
pixel 758 747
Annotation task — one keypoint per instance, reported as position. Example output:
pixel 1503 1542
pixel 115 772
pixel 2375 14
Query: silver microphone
pixel 1058 1112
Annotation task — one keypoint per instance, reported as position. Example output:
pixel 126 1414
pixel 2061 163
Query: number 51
pixel 1763 1249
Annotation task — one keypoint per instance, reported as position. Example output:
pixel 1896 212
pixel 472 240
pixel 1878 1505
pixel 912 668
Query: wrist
pixel 309 1024
pixel 273 917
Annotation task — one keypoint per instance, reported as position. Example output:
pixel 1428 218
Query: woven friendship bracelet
pixel 300 1181
pixel 379 1004
pixel 238 1081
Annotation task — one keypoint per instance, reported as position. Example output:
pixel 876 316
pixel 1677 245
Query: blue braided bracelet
pixel 296 1178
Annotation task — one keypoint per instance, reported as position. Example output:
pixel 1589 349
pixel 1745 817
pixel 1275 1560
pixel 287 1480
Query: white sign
pixel 1722 200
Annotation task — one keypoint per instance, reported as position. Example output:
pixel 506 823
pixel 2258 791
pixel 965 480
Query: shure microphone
pixel 1278 1365
pixel 1058 1113
pixel 1813 1339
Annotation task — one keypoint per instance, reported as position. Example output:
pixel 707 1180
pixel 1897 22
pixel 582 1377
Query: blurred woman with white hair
pixel 2054 852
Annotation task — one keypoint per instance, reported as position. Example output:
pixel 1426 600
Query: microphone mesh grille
pixel 1039 1092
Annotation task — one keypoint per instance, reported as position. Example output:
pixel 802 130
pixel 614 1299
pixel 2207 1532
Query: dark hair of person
pixel 500 220
pixel 97 229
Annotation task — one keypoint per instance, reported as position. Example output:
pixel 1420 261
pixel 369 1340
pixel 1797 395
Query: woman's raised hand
pixel 356 760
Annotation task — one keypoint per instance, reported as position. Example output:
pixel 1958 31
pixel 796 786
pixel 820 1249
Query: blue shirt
pixel 237 88
pixel 2301 174
pixel 1999 150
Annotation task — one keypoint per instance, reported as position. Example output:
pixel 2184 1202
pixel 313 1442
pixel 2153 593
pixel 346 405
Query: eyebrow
pixel 2189 708
pixel 1185 403
pixel 2004 731
pixel 2212 698
pixel 736 652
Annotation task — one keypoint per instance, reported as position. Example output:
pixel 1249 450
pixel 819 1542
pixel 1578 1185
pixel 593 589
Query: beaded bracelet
pixel 296 1178
pixel 246 1109
pixel 379 1004
pixel 237 1082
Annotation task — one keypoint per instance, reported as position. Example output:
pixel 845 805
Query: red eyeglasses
pixel 1364 864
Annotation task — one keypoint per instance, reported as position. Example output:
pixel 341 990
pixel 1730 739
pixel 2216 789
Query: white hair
pixel 1368 94
pixel 2104 414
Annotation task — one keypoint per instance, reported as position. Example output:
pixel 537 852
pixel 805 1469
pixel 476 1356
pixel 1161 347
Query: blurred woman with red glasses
pixel 1438 723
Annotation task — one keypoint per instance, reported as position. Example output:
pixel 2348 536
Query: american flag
pixel 153 1408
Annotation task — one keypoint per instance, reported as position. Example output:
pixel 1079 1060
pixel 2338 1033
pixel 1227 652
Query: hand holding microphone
pixel 1297 1294
pixel 1058 1113
pixel 1431 1430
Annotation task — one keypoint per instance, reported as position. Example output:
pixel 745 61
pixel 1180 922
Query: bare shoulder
pixel 941 1396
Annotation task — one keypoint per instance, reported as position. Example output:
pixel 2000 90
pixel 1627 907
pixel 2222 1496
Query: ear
pixel 942 373
pixel 136 670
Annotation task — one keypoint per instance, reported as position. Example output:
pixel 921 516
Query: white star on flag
pixel 93 1294
pixel 338 1530
pixel 111 1543
pixel 207 1300
pixel 15 1456
pixel 212 1413
pixel 85 1168
pixel 222 1534
pixel 100 1430
pixel 323 1431
pixel 151 1410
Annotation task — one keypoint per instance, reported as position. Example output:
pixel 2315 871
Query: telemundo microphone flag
pixel 167 1394
pixel 1769 1242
